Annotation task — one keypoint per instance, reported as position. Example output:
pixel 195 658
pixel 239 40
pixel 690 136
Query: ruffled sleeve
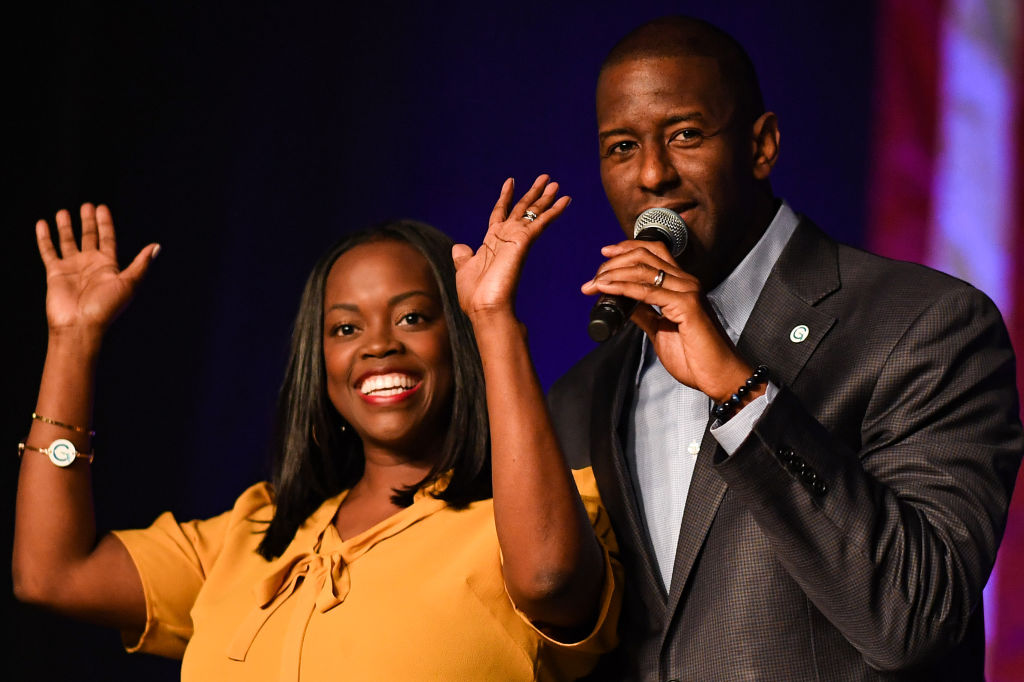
pixel 173 560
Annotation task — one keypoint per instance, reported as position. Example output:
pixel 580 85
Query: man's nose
pixel 657 173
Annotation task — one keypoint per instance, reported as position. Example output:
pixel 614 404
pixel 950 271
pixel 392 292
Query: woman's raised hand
pixel 486 280
pixel 85 289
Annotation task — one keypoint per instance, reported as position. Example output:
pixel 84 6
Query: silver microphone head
pixel 667 222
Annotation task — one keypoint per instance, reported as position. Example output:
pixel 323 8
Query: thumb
pixel 647 319
pixel 460 254
pixel 137 269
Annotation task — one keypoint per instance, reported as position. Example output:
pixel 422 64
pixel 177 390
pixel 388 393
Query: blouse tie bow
pixel 318 581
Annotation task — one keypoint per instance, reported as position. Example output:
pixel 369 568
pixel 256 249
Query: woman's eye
pixel 344 329
pixel 411 318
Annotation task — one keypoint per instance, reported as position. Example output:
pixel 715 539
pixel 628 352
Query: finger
pixel 500 211
pixel 105 222
pixel 658 248
pixel 551 214
pixel 643 292
pixel 638 272
pixel 460 254
pixel 138 268
pixel 89 236
pixel 65 234
pixel 530 197
pixel 544 201
pixel 45 243
pixel 638 257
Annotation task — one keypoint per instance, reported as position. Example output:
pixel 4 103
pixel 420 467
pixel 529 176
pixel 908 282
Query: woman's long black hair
pixel 313 458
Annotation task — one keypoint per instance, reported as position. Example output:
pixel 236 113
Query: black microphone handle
pixel 610 312
pixel 609 315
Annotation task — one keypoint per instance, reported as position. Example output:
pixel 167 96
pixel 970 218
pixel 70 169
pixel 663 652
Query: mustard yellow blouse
pixel 419 596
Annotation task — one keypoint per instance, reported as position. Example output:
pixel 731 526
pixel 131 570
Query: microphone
pixel 653 225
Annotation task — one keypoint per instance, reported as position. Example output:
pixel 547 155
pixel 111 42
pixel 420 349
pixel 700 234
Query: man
pixel 838 518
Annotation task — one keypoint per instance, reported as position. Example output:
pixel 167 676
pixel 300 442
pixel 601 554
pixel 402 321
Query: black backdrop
pixel 245 137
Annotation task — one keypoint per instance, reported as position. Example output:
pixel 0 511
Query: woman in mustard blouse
pixel 406 533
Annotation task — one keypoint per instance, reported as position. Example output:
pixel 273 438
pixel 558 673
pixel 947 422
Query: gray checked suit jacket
pixel 850 536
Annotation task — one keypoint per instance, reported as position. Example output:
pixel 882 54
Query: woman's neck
pixel 370 500
pixel 384 472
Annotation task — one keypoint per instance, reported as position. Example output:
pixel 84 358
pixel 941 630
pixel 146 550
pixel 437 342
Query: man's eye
pixel 688 135
pixel 623 147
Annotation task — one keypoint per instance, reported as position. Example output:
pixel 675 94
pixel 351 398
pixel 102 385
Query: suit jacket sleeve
pixel 894 537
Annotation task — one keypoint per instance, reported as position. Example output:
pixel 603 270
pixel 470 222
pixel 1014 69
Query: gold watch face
pixel 62 452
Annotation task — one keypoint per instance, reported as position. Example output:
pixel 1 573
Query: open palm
pixel 85 289
pixel 487 280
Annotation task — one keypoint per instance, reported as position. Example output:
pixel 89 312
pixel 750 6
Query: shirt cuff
pixel 732 433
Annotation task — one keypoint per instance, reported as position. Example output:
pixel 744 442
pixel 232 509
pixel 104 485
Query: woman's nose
pixel 380 340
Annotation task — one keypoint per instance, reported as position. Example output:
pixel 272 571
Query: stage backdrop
pixel 246 137
pixel 945 184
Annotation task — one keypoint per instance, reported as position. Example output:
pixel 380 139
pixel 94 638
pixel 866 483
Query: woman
pixel 377 552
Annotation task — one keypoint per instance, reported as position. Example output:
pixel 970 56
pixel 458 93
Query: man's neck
pixel 766 206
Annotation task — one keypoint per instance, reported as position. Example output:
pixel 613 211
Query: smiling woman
pixel 381 300
pixel 378 525
pixel 365 308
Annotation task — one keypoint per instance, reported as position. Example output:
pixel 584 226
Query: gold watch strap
pixel 64 425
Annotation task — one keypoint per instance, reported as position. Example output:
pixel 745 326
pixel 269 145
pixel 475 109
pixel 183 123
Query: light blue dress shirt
pixel 668 418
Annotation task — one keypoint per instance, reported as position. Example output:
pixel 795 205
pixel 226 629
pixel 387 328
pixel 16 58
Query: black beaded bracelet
pixel 726 410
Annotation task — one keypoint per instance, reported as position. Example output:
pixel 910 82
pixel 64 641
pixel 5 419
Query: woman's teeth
pixel 387 384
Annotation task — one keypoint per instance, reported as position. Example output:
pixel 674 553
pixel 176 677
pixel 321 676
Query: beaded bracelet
pixel 726 410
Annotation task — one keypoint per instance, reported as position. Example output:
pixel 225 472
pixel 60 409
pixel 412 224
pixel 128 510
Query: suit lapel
pixel 616 376
pixel 806 272
pixel 702 501
pixel 785 327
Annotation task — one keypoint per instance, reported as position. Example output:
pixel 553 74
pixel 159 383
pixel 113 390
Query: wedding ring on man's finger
pixel 659 278
pixel 529 216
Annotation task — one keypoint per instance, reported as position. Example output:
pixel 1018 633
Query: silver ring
pixel 659 278
pixel 529 216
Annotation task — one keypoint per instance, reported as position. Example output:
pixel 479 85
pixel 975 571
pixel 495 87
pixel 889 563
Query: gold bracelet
pixel 61 452
pixel 47 420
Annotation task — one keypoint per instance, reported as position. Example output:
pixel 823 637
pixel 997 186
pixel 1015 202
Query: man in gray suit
pixel 838 517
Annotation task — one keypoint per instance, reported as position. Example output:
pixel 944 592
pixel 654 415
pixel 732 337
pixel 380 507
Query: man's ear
pixel 765 145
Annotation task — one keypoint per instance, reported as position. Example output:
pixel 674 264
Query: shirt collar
pixel 734 298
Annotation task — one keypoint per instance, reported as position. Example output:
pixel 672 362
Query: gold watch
pixel 61 452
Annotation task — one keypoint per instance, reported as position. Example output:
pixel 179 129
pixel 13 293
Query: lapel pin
pixel 799 333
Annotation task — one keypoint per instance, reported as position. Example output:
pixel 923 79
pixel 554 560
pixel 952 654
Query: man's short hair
pixel 683 36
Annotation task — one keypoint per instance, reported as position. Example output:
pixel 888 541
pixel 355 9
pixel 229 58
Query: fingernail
pixel 156 252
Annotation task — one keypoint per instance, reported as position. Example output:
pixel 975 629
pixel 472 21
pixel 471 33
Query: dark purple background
pixel 245 138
